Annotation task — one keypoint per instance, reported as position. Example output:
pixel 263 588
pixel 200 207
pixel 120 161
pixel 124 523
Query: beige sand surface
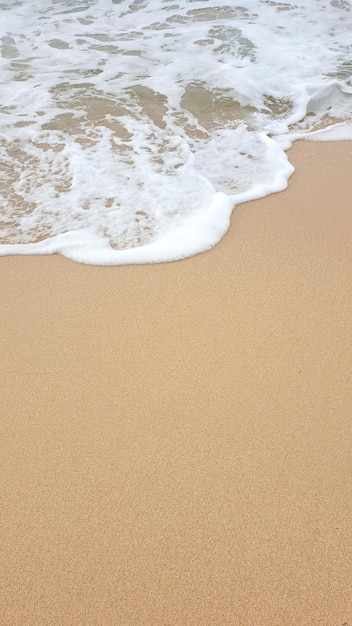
pixel 176 439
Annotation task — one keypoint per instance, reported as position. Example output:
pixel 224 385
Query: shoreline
pixel 176 437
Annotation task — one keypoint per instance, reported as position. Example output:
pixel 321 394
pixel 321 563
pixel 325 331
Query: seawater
pixel 130 129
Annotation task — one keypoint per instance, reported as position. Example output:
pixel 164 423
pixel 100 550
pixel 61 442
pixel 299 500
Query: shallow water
pixel 130 129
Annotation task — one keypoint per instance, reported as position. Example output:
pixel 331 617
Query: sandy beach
pixel 176 438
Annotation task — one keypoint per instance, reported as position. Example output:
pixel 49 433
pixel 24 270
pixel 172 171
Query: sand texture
pixel 176 439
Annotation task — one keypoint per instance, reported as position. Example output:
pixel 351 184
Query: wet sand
pixel 176 439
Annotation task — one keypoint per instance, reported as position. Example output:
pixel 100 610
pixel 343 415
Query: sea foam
pixel 131 129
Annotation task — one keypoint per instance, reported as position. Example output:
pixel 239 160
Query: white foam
pixel 130 130
pixel 337 132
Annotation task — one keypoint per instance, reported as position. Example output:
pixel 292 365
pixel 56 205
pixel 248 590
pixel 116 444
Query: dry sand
pixel 176 439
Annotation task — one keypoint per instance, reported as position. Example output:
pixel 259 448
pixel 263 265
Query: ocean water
pixel 130 129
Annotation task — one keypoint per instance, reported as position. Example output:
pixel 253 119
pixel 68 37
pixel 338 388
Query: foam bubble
pixel 130 130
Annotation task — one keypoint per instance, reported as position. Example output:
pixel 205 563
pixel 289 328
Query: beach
pixel 176 438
